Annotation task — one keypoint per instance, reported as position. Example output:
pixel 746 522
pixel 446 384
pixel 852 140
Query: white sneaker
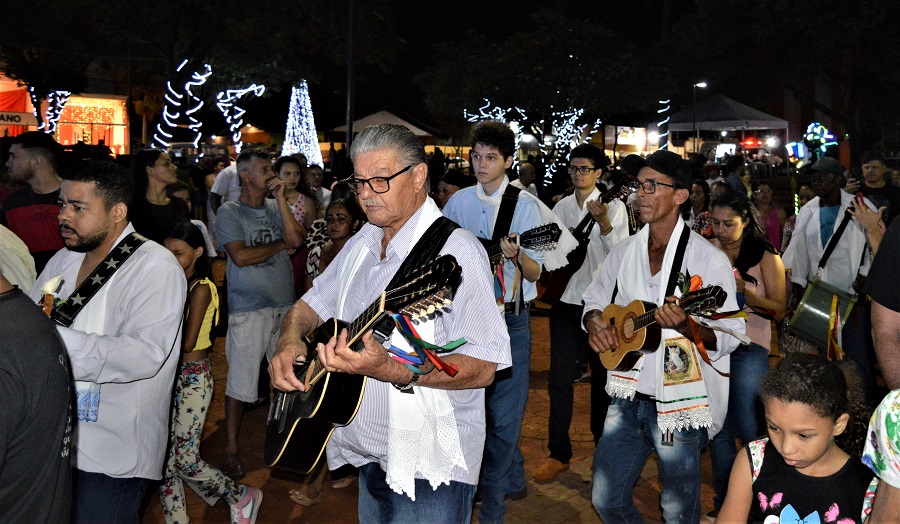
pixel 245 511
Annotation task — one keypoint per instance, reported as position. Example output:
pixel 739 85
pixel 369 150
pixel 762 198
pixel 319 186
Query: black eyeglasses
pixel 378 184
pixel 649 185
pixel 584 170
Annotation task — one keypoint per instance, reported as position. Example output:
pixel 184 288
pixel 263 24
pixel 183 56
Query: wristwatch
pixel 409 385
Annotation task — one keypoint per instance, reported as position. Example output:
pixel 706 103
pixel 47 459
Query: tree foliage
pixel 267 42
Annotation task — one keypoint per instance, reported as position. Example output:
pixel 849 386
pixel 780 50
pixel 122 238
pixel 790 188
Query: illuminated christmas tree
pixel 300 135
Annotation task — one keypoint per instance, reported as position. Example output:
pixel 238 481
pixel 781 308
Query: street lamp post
pixel 694 132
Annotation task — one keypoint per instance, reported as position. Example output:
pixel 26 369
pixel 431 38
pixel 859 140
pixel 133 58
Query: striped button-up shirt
pixel 473 316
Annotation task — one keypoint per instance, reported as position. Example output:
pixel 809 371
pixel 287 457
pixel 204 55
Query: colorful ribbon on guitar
pixel 424 352
pixel 834 322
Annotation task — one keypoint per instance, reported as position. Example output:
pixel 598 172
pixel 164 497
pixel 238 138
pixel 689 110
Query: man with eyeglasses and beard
pixel 121 299
pixel 418 435
pixel 673 398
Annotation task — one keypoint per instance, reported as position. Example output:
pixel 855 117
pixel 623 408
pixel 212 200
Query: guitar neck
pixel 355 329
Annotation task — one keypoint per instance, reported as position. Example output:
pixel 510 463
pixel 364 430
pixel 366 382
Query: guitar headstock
pixel 620 189
pixel 427 290
pixel 704 300
pixel 541 238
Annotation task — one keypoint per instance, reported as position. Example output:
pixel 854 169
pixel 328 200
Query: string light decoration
pixel 300 135
pixel 172 110
pixel 512 116
pixel 234 114
pixel 563 127
pixel 56 102
pixel 663 125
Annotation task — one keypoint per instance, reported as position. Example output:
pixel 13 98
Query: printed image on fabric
pixel 262 236
pixel 680 362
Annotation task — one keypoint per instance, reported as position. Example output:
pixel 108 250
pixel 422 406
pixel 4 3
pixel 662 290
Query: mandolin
pixel 300 423
pixel 555 282
pixel 635 325
pixel 541 238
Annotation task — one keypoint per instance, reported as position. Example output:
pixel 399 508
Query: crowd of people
pixel 671 291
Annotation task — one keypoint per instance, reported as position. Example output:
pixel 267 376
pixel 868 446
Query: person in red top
pixel 31 211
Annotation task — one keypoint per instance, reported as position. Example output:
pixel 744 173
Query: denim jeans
pixel 101 498
pixel 630 435
pixel 749 365
pixel 503 467
pixel 379 503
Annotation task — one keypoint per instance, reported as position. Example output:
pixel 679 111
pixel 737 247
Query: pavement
pixel 565 499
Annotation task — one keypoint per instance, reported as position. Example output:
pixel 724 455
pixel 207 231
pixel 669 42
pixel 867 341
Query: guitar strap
pixel 505 214
pixel 676 266
pixel 65 313
pixel 426 249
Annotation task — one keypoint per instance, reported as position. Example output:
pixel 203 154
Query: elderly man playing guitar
pixel 657 406
pixel 418 435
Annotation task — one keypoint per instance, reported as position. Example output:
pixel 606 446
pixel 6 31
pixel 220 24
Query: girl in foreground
pixel 193 391
pixel 809 467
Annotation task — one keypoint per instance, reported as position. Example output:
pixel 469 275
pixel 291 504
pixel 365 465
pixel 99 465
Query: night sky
pixel 422 29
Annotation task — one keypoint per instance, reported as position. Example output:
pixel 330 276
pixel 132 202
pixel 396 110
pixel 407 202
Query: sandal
pixel 299 498
pixel 231 466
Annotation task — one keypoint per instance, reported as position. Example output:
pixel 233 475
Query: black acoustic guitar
pixel 555 282
pixel 301 422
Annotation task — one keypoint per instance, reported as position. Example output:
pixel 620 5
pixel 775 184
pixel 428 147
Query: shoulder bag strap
pixel 835 238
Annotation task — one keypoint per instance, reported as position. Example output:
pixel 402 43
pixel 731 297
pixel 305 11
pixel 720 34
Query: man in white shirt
pixel 526 179
pixel 568 342
pixel 400 480
pixel 226 188
pixel 817 222
pixel 17 262
pixel 123 343
pixel 672 400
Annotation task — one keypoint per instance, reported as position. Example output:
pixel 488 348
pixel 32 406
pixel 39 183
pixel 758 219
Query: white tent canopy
pixel 720 113
pixel 382 117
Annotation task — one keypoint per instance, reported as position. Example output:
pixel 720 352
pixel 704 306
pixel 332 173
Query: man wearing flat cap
pixel 817 222
pixel 672 399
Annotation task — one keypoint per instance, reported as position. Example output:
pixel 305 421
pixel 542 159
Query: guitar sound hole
pixel 628 328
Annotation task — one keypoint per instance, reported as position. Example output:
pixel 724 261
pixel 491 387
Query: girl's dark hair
pixel 829 389
pixel 142 160
pixel 352 207
pixel 188 232
pixel 302 186
pixel 754 243
pixel 687 206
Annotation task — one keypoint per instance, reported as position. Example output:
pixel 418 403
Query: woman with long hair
pixel 772 216
pixel 152 212
pixel 696 209
pixel 760 282
pixel 303 206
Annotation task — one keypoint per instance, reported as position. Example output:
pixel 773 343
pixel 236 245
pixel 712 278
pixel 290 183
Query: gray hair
pixel 393 137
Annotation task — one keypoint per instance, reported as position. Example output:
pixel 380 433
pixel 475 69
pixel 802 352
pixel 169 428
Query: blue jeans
pixel 630 435
pixel 503 467
pixel 749 365
pixel 101 498
pixel 378 503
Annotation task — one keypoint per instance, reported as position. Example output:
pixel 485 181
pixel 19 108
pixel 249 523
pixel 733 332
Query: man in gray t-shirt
pixel 255 232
